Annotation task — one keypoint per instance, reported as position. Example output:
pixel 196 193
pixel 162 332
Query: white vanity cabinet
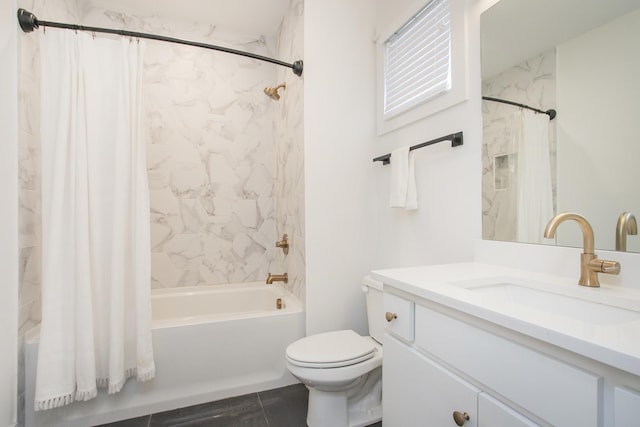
pixel 419 392
pixel 424 385
pixel 507 348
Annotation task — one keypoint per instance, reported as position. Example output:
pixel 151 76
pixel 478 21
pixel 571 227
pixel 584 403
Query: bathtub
pixel 210 343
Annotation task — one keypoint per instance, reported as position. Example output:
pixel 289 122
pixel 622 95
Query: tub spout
pixel 277 278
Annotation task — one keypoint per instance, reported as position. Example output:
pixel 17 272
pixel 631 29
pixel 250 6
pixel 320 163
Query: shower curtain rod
pixel 29 22
pixel 551 113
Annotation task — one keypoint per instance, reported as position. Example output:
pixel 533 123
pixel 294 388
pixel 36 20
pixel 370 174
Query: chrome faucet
pixel 277 278
pixel 626 225
pixel 590 265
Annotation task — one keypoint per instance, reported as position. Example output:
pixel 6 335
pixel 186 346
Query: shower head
pixel 272 92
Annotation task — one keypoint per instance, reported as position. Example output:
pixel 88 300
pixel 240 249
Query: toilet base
pixel 327 409
pixel 356 407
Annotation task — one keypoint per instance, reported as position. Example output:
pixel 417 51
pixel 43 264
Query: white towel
pixel 412 192
pixel 403 192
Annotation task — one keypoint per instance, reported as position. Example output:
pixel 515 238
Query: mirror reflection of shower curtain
pixel 96 325
pixel 534 198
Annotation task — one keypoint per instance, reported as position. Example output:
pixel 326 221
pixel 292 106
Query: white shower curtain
pixel 534 188
pixel 95 329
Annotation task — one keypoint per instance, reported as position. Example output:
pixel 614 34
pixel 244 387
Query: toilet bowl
pixel 343 370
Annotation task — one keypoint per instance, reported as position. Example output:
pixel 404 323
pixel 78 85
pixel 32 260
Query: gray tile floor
pixel 282 407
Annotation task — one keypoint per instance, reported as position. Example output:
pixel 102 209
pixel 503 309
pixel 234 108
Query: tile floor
pixel 282 407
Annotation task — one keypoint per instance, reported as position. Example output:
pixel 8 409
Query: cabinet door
pixel 493 413
pixel 626 403
pixel 418 392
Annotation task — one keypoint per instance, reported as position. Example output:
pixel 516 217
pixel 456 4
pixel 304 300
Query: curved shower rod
pixel 29 22
pixel 551 113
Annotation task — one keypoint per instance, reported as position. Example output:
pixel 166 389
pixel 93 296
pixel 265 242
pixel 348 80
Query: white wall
pixel 350 229
pixel 599 116
pixel 448 219
pixel 9 216
pixel 339 137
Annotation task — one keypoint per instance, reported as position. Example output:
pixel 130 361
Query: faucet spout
pixel 588 243
pixel 590 265
pixel 627 224
pixel 277 278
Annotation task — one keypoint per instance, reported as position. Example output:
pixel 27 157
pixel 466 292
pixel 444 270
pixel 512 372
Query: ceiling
pixel 516 30
pixel 251 17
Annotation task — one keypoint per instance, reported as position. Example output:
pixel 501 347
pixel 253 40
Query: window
pixel 417 59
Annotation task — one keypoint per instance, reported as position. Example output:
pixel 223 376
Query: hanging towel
pixel 96 314
pixel 403 181
pixel 412 192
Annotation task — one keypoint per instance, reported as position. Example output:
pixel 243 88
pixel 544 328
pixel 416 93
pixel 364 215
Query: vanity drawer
pixel 626 403
pixel 492 413
pixel 399 313
pixel 559 393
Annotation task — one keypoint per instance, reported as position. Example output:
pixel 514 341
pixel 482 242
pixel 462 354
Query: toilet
pixel 343 370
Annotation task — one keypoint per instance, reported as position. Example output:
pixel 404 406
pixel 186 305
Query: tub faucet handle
pixel 284 244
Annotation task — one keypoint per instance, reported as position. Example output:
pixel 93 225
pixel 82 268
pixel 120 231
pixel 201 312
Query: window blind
pixel 418 60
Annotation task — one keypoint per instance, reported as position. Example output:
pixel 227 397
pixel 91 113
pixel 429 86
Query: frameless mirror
pixel 581 58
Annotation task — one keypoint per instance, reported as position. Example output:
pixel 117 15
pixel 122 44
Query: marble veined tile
pixel 188 181
pixel 194 217
pixel 185 251
pixel 247 212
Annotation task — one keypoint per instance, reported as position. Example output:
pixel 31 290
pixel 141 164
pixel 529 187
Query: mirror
pixel 581 58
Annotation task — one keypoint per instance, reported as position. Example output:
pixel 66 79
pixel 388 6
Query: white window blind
pixel 418 60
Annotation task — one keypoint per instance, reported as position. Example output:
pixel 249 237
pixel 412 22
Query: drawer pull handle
pixel 460 417
pixel 390 316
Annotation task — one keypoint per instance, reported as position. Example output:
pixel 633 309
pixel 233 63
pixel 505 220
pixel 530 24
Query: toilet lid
pixel 330 350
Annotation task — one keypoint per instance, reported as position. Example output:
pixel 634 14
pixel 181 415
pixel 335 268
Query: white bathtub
pixel 210 342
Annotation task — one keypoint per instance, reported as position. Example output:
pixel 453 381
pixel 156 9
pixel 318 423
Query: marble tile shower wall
pixel 289 132
pixel 533 83
pixel 210 153
pixel 29 170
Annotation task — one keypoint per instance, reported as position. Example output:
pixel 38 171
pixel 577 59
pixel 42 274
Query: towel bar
pixel 455 138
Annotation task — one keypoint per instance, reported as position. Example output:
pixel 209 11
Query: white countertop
pixel 615 344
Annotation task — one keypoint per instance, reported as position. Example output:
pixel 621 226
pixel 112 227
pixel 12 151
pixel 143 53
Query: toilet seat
pixel 330 350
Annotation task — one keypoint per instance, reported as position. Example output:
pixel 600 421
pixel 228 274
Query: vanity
pixel 481 345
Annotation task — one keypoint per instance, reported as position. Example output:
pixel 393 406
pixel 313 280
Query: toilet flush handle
pixel 390 316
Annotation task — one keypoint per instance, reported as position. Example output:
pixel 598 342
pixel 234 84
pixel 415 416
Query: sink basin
pixel 568 306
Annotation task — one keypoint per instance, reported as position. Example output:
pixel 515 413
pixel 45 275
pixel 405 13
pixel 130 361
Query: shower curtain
pixel 95 329
pixel 534 188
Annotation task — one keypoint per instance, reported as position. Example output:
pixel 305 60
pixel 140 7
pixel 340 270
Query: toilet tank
pixel 375 312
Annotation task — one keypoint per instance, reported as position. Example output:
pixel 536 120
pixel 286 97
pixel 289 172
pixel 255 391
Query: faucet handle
pixel 604 266
pixel 283 244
